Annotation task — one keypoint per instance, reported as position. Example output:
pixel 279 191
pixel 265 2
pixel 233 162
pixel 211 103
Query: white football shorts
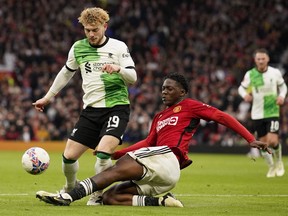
pixel 161 170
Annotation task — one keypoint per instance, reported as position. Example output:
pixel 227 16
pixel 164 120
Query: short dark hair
pixel 179 78
pixel 260 50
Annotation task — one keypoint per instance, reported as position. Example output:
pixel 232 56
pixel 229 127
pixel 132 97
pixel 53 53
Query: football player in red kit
pixel 152 166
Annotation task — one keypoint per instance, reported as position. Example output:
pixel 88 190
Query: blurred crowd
pixel 211 42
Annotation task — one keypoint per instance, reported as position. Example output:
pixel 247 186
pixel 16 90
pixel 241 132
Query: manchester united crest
pixel 177 109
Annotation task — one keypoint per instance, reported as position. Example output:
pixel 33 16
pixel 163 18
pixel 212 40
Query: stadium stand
pixel 211 42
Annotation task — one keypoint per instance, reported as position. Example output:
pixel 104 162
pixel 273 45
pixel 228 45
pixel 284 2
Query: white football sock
pixel 138 200
pixel 268 158
pixel 70 171
pixel 101 165
pixel 278 153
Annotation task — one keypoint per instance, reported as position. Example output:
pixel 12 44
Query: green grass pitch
pixel 215 184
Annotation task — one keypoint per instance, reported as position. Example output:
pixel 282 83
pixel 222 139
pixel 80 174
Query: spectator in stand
pixel 12 133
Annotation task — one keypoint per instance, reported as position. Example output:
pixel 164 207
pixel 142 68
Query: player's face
pixel 261 61
pixel 172 93
pixel 95 33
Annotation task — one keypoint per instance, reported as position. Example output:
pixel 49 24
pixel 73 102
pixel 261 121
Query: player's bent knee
pixel 68 160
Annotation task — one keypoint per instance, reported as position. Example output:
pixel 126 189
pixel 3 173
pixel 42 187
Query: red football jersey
pixel 176 125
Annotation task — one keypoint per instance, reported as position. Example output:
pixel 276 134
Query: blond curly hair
pixel 93 16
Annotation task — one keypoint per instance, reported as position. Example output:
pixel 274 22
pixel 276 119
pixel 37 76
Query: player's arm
pixel 126 67
pixel 282 89
pixel 61 80
pixel 64 75
pixel 242 91
pixel 243 88
pixel 230 122
pixel 128 74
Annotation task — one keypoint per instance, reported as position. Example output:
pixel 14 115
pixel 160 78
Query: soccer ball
pixel 35 160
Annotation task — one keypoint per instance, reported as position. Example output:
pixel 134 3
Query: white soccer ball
pixel 35 160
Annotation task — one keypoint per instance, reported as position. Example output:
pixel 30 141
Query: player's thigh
pixel 272 139
pixel 265 126
pixel 108 144
pixel 86 131
pixel 126 168
pixel 162 171
pixel 73 150
pixel 113 128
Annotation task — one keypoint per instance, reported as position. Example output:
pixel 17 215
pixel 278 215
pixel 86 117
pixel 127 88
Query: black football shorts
pixel 268 125
pixel 94 123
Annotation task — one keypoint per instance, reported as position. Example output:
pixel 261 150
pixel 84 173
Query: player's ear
pixel 183 92
pixel 105 25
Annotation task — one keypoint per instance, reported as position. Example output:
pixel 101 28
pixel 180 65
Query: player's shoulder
pixel 273 69
pixel 274 72
pixel 191 102
pixel 81 42
pixel 116 41
pixel 252 70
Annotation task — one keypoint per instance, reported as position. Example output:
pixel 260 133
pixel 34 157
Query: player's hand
pixel 248 98
pixel 111 68
pixel 39 104
pixel 260 145
pixel 280 101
